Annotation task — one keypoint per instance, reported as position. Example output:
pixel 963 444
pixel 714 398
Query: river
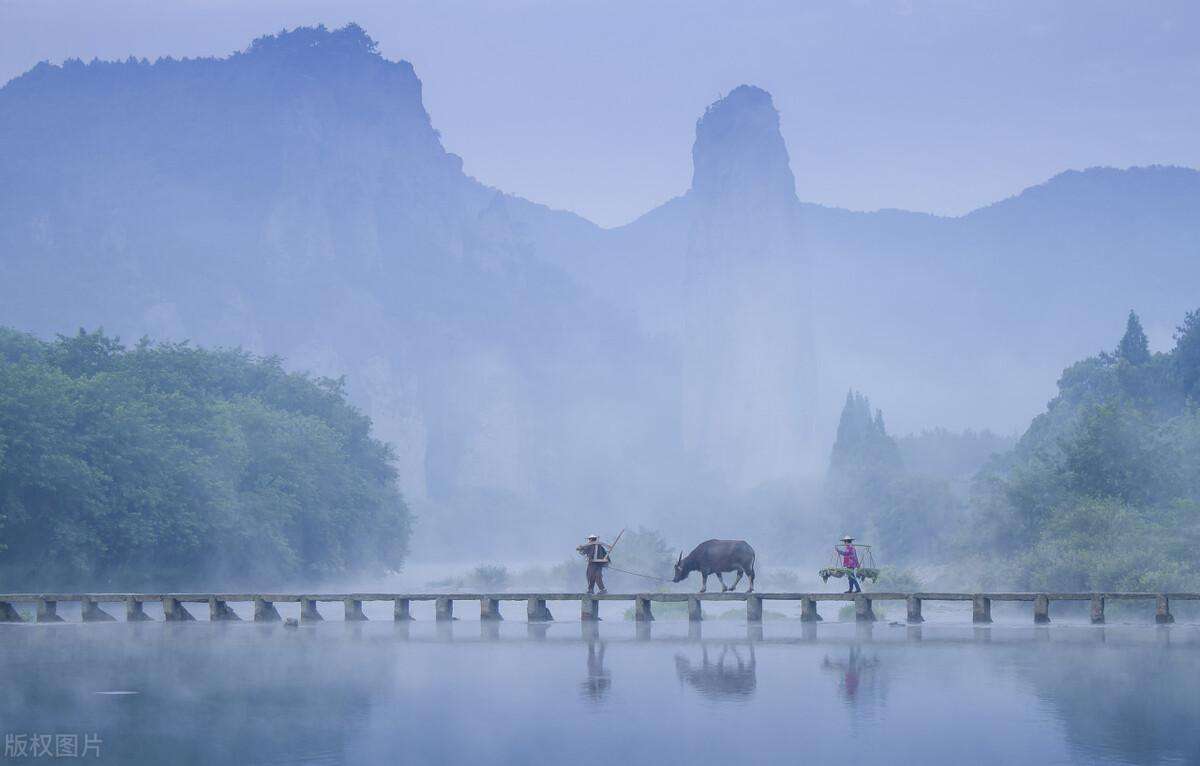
pixel 511 693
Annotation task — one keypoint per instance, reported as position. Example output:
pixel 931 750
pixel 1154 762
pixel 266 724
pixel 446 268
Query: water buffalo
pixel 715 557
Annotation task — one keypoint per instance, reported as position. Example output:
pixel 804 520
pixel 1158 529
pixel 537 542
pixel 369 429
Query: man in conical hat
pixel 597 556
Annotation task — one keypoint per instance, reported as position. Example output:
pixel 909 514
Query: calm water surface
pixel 512 693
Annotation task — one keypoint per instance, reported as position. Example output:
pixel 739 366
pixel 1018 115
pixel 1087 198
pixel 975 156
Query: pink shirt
pixel 849 556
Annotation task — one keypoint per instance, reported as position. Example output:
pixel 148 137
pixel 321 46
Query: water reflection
pixel 730 675
pixel 598 680
pixel 858 672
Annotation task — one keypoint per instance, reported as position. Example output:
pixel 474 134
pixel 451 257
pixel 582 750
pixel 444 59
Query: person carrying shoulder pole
pixel 850 563
pixel 596 553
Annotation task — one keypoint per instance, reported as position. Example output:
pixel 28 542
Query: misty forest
pixel 260 326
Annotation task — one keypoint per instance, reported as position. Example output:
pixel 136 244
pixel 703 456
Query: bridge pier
pixel 981 609
pixel 641 610
pixel 864 610
pixel 589 609
pixel 353 610
pixel 808 610
pixel 400 611
pixel 443 610
pixel 695 611
pixel 47 611
pixel 489 609
pixel 135 611
pixel 264 611
pixel 537 611
pixel 1097 609
pixel 1162 614
pixel 9 614
pixel 308 611
pixel 914 610
pixel 219 611
pixel 753 608
pixel 90 611
pixel 175 611
pixel 1041 610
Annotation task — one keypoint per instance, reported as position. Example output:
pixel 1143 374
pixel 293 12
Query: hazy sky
pixel 935 106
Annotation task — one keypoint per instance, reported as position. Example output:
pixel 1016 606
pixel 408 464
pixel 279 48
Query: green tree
pixel 1187 355
pixel 1134 346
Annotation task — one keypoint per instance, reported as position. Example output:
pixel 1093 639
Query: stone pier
pixel 1041 610
pixel 489 609
pixel 8 613
pixel 443 609
pixel 537 611
pixel 401 611
pixel 808 610
pixel 641 610
pixel 1162 614
pixel 981 609
pixel 352 610
pixel 695 611
pixel 754 610
pixel 135 611
pixel 864 611
pixel 1098 609
pixel 914 610
pixel 264 611
pixel 90 611
pixel 308 610
pixel 47 611
pixel 175 611
pixel 589 609
pixel 219 611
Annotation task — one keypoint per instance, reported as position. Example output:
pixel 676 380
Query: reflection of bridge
pixel 174 604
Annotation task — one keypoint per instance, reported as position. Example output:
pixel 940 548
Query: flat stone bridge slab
pixel 175 605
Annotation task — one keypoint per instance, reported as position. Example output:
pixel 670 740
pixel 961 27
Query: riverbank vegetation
pixel 167 465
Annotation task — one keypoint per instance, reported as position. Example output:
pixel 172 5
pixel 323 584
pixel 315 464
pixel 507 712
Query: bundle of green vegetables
pixel 862 573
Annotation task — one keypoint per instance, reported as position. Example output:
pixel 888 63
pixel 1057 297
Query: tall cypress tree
pixel 1186 356
pixel 1134 347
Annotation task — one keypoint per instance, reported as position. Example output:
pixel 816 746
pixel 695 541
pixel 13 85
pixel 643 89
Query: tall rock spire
pixel 749 368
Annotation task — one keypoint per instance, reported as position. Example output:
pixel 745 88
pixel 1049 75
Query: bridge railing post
pixel 914 610
pixel 981 609
pixel 1162 612
pixel 1097 609
pixel 1041 609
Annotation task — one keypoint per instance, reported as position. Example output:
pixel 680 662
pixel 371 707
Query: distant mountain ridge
pixel 296 199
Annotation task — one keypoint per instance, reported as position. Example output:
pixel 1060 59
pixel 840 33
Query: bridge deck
pixel 264 609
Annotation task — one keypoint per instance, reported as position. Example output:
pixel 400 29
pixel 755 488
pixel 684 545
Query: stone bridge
pixel 175 605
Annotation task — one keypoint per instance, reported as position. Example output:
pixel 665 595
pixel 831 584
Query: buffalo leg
pixel 738 580
pixel 703 582
pixel 751 575
pixel 721 579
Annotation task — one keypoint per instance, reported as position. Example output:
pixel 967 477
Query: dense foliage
pixel 1103 491
pixel 905 514
pixel 169 465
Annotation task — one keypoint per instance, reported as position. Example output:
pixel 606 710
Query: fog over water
pixel 512 693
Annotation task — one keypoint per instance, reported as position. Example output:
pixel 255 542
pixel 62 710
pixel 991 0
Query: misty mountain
pixel 295 199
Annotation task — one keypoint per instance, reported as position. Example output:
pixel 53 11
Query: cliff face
pixel 295 199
